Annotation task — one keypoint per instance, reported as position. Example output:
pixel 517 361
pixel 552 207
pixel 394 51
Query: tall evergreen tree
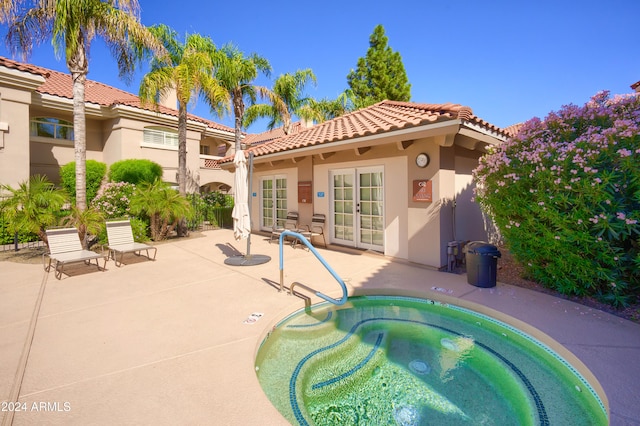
pixel 380 74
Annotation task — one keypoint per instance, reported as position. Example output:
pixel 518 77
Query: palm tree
pixel 72 25
pixel 164 206
pixel 289 101
pixel 235 73
pixel 86 221
pixel 33 205
pixel 326 109
pixel 188 70
pixel 7 10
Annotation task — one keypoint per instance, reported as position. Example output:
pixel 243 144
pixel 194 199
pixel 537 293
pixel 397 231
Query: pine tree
pixel 380 74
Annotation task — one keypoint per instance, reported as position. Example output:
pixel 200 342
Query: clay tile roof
pixel 6 62
pixel 382 117
pixel 269 135
pixel 59 84
pixel 513 129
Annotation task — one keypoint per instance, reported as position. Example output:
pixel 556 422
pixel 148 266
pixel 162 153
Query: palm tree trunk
pixel 238 113
pixel 79 67
pixel 286 124
pixel 182 149
pixel 182 161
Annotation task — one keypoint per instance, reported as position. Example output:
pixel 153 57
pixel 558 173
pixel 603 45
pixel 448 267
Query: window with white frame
pixel 51 127
pixel 160 136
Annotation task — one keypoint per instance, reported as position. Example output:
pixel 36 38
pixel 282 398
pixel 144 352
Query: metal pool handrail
pixel 312 249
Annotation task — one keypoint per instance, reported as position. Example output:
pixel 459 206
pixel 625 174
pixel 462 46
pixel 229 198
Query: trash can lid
pixel 482 248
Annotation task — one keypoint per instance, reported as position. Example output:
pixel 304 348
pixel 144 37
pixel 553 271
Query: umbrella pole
pixel 248 259
pixel 249 202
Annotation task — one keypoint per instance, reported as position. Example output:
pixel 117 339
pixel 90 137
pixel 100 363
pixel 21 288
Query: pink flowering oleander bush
pixel 565 196
pixel 112 199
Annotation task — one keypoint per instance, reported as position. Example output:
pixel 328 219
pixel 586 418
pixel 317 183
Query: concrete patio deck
pixel 164 342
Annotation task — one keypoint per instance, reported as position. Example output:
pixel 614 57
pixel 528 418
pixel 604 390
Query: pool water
pixel 406 361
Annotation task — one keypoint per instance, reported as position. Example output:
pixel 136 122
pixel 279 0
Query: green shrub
pixel 565 195
pixel 213 207
pixel 6 234
pixel 95 174
pixel 139 228
pixel 32 206
pixel 163 206
pixel 218 199
pixel 199 207
pixel 135 171
pixel 220 216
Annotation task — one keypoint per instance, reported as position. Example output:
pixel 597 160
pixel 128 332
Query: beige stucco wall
pixel 470 223
pixel 48 155
pixel 417 231
pixel 125 141
pixel 109 138
pixel 423 218
pixel 14 142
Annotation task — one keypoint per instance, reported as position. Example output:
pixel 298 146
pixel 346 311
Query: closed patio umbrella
pixel 242 211
pixel 240 214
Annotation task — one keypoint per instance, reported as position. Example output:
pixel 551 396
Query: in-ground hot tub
pixel 403 360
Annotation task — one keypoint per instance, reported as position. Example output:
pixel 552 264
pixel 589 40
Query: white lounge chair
pixel 121 241
pixel 65 247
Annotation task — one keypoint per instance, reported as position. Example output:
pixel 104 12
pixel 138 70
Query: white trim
pixel 486 135
pixel 20 79
pixel 210 157
pixel 51 141
pixel 158 146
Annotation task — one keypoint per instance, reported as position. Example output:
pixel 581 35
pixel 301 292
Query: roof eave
pixel 415 132
pixel 20 79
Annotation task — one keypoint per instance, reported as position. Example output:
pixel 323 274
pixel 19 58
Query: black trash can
pixel 482 264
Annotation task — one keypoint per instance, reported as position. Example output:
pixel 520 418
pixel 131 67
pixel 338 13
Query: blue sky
pixel 507 60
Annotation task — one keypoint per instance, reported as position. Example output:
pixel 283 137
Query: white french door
pixel 357 207
pixel 273 201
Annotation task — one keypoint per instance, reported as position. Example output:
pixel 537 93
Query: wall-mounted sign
pixel 320 194
pixel 255 194
pixel 422 190
pixel 304 192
